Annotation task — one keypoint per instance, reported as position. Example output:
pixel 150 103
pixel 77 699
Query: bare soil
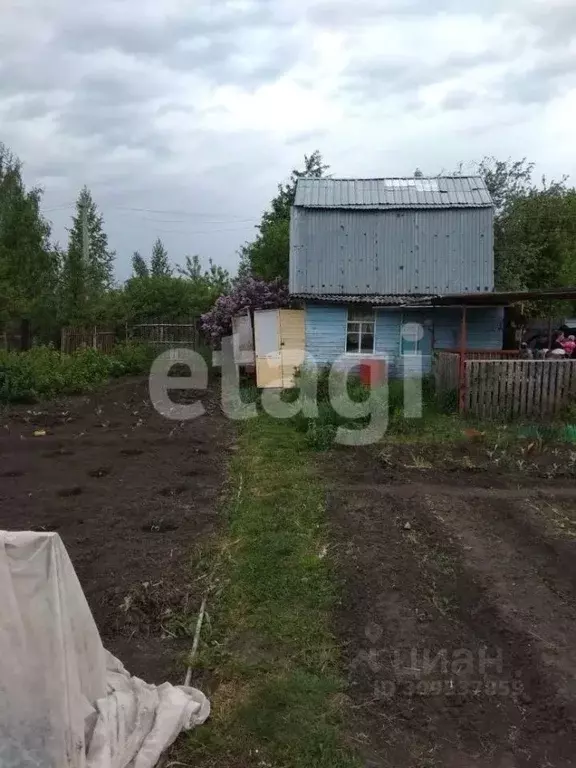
pixel 135 498
pixel 458 616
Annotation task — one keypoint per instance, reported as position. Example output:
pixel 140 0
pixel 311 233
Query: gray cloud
pixel 105 95
pixel 459 100
pixel 550 78
pixel 114 106
pixel 142 35
pixel 28 107
pixel 342 14
pixel 555 23
pixel 390 77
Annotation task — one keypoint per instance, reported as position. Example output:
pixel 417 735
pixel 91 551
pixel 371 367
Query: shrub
pixel 132 359
pixel 247 295
pixel 43 372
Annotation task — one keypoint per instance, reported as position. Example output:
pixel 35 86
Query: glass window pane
pixel 409 347
pixel 361 314
pixel 352 342
pixel 353 327
pixel 367 342
pixel 368 328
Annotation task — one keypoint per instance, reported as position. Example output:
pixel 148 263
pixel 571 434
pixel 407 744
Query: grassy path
pixel 278 699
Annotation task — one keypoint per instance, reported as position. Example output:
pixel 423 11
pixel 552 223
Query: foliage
pixel 147 296
pixel 247 295
pixel 139 266
pixel 215 279
pixel 506 180
pixel 159 266
pixel 267 257
pixel 87 270
pixel 534 228
pixel 133 358
pixel 28 264
pixel 43 372
pixel 52 287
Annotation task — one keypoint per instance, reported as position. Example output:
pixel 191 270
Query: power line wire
pixel 174 212
pixel 229 220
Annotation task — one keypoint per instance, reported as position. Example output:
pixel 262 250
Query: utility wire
pixel 229 220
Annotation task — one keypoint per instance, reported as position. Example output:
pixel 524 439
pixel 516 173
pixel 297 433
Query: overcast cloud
pixel 182 117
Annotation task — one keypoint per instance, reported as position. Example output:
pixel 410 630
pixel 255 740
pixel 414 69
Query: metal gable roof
pixel 382 194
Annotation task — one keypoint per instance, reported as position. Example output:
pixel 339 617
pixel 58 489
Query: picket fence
pixel 506 389
pixel 72 339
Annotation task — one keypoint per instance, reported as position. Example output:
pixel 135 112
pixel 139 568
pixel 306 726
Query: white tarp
pixel 65 702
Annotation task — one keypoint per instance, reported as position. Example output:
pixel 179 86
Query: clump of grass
pixel 320 436
pixel 271 648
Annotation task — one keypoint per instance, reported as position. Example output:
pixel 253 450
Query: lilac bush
pixel 247 295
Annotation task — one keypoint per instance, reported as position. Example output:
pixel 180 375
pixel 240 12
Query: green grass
pixel 279 696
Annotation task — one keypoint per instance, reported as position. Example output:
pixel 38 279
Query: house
pixel 368 258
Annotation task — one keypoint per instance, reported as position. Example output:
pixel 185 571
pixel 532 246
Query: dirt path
pixel 132 495
pixel 459 617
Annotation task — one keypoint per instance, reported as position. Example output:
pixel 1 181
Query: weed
pixel 419 462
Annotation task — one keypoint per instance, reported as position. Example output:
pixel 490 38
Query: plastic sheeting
pixel 65 702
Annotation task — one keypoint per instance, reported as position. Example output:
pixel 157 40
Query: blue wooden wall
pixel 326 333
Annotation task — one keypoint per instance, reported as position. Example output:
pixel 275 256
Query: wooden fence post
pixel 462 364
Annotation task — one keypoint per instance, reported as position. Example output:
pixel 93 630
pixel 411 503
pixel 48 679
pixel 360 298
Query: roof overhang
pixel 392 300
pixel 503 298
pixel 480 299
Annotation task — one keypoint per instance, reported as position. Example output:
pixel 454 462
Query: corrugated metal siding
pixel 431 192
pixel 326 334
pixel 391 252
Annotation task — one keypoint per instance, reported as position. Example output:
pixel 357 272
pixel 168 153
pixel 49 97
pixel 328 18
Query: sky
pixel 182 117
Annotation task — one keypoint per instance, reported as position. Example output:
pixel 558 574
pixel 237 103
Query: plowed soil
pixel 134 496
pixel 459 616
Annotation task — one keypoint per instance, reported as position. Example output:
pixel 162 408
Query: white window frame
pixel 372 313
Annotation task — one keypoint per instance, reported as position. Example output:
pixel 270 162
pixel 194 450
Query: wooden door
pixel 292 342
pixel 267 343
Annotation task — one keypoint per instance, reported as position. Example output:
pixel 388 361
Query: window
pixel 411 335
pixel 360 332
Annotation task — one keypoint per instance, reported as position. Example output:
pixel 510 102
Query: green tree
pixel 506 180
pixel 192 268
pixel 159 265
pixel 28 263
pixel 139 266
pixel 533 227
pixel 267 257
pixel 216 278
pixel 207 284
pixel 87 271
